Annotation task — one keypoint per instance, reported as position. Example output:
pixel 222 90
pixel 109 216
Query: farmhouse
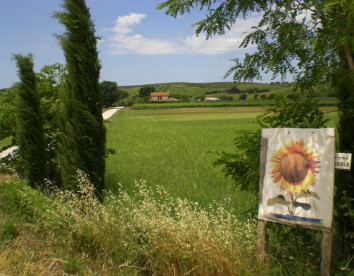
pixel 161 97
pixel 211 99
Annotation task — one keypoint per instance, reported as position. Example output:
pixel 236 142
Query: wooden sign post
pixel 296 184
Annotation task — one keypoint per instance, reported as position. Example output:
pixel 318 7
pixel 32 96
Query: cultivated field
pixel 176 148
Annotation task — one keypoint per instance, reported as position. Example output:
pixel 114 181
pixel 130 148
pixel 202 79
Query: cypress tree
pixel 83 137
pixel 30 135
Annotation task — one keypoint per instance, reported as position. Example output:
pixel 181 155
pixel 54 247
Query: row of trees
pixel 65 131
pixel 236 90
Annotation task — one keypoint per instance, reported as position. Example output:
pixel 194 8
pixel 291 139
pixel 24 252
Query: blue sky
pixel 140 44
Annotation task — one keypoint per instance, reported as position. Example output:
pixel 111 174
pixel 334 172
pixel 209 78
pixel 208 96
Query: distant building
pixel 161 97
pixel 211 99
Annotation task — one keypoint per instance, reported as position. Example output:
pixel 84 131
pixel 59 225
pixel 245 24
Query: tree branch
pixel 348 56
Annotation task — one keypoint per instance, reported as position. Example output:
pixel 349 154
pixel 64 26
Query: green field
pixel 176 148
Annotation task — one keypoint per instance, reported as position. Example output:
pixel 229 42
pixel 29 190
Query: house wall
pixel 156 96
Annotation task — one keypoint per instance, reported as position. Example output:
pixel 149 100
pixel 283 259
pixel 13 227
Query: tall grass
pixel 6 142
pixel 150 233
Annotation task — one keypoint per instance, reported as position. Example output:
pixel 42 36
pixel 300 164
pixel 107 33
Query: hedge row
pixel 145 106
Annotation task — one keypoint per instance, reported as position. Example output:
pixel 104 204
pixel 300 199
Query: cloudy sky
pixel 139 45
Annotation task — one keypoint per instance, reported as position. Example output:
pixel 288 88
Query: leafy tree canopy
pixel 109 90
pixel 8 113
pixel 309 39
pixel 145 91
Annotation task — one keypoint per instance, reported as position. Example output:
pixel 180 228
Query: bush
pixel 226 98
pixel 242 164
pixel 271 96
pixel 243 97
pixel 294 113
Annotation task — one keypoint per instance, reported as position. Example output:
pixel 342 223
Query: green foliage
pixel 271 96
pixel 244 103
pixel 20 200
pixel 30 135
pixel 122 94
pixel 344 191
pixel 72 265
pixel 294 250
pixel 226 98
pixel 233 90
pixel 109 90
pixel 8 113
pixel 50 85
pixel 8 231
pixel 145 91
pixel 49 82
pixel 296 113
pixel 181 98
pixel 83 136
pixel 243 97
pixel 243 164
pixel 196 105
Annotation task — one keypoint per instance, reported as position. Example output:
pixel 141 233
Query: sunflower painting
pixel 298 180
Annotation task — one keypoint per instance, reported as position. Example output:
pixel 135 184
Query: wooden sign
pixel 343 161
pixel 296 185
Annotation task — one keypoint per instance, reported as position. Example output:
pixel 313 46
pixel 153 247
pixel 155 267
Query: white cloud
pixel 124 43
pixel 124 22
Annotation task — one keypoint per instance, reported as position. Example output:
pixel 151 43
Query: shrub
pixel 243 97
pixel 242 164
pixel 271 96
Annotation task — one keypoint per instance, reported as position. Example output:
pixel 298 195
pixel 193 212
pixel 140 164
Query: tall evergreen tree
pixel 83 137
pixel 30 136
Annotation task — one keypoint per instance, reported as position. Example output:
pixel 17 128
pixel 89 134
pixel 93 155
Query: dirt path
pixel 106 115
pixel 109 113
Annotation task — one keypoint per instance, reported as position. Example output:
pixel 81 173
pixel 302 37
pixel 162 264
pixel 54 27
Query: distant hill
pixel 210 88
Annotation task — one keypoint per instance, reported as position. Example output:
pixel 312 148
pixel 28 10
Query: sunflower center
pixel 294 168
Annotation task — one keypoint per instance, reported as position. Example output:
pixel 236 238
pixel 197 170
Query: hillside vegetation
pixel 198 89
pixel 230 94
